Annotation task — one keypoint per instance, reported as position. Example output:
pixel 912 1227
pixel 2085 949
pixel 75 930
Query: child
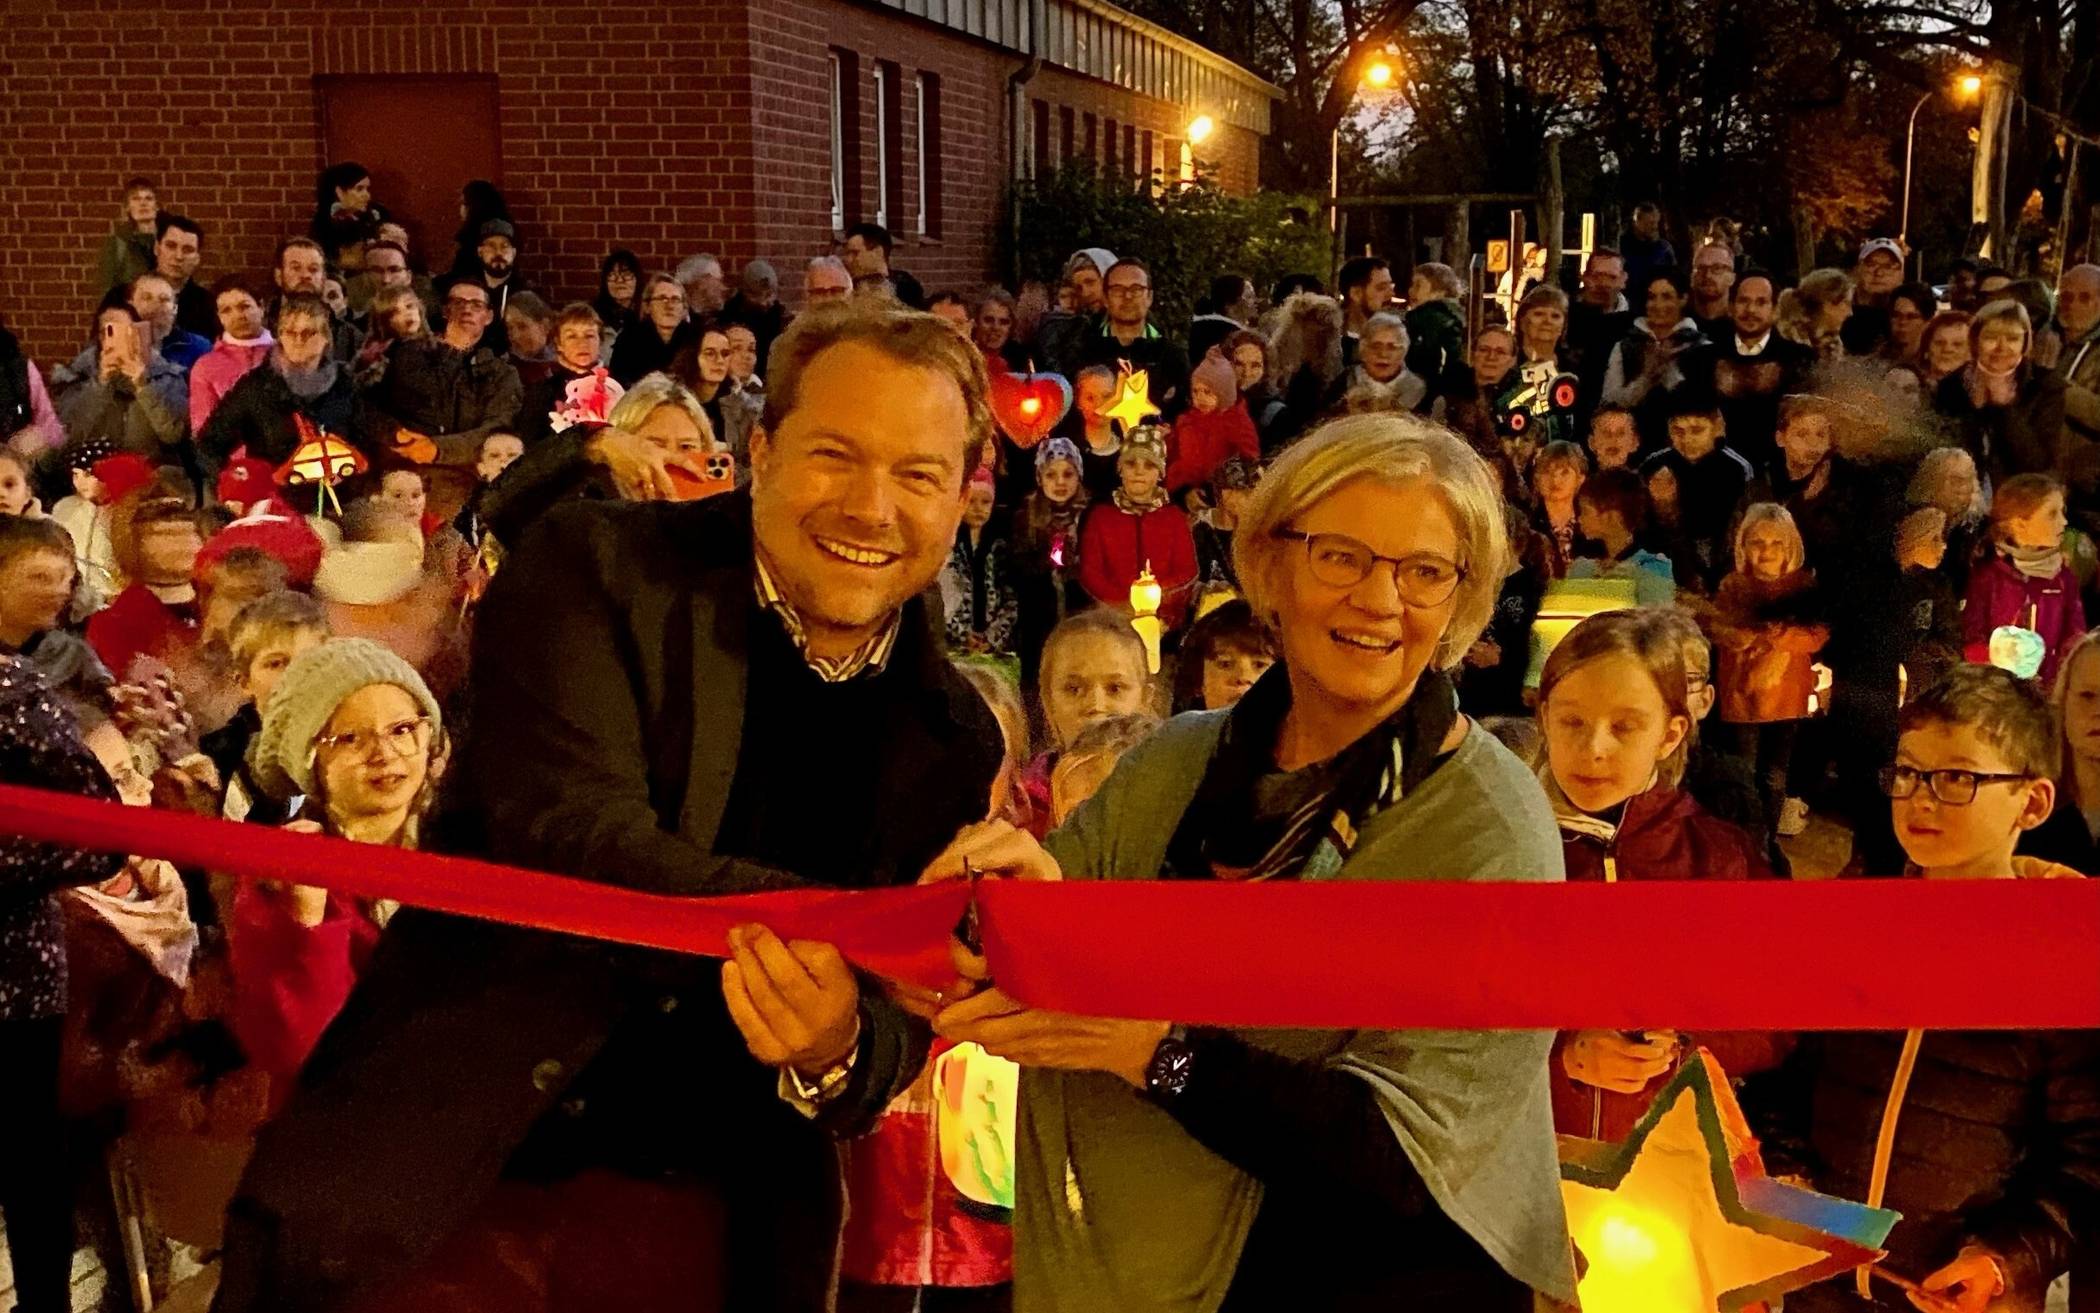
pixel 1614 712
pixel 1231 488
pixel 17 496
pixel 264 639
pixel 36 583
pixel 1711 480
pixel 1613 510
pixel 1098 437
pixel 1046 548
pixel 1092 758
pixel 500 449
pixel 1767 652
pixel 1926 607
pixel 156 538
pixel 1222 656
pixel 1980 1139
pixel 1093 668
pixel 1719 781
pixel 1557 476
pixel 1216 425
pixel 1138 530
pixel 2025 582
pixel 1947 479
pixel 375 585
pixel 1614 439
pixel 100 476
pixel 352 733
pixel 977 583
pixel 2071 835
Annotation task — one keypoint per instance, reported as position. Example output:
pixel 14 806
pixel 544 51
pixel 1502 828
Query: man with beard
pixel 440 396
pixel 1597 321
pixel 656 688
pixel 302 268
pixel 499 277
pixel 1753 367
pixel 1713 277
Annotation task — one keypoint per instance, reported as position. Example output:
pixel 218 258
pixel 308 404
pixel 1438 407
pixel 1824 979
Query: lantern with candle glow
pixel 1144 617
pixel 1132 404
pixel 1681 1216
pixel 322 460
pixel 1029 406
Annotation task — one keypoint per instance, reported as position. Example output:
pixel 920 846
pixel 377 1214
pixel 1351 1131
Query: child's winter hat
pixel 1215 374
pixel 122 474
pixel 982 477
pixel 1056 449
pixel 1236 474
pixel 1145 442
pixel 87 452
pixel 282 756
pixel 247 480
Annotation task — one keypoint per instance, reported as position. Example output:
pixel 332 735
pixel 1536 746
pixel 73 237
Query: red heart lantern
pixel 1029 406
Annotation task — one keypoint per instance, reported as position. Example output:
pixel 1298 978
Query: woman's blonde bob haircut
pixel 1386 448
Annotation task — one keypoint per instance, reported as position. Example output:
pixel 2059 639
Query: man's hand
pixel 1966 1285
pixel 1031 1038
pixel 1609 1060
pixel 993 848
pixel 797 1004
pixel 636 464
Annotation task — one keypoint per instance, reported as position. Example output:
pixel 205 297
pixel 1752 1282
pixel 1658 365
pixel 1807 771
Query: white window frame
pixel 919 150
pixel 882 145
pixel 838 145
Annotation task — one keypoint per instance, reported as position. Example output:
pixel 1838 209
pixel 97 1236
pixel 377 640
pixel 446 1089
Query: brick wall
pixel 665 127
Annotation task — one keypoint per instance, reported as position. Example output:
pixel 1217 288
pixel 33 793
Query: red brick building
pixel 747 128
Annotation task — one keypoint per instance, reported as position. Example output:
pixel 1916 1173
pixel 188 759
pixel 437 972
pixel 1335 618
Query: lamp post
pixel 1380 76
pixel 1966 86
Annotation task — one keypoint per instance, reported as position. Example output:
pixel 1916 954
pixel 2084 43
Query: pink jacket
pixel 218 369
pixel 2000 595
pixel 44 427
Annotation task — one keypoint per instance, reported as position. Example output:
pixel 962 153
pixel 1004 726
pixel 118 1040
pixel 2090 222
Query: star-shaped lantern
pixel 1681 1217
pixel 1133 400
pixel 321 459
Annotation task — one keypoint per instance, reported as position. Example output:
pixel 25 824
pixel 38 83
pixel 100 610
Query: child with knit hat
pixel 354 736
pixel 1216 425
pixel 100 476
pixel 1046 548
pixel 1139 529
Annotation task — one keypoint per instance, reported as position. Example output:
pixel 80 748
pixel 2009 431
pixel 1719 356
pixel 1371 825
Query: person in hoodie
pixel 244 343
pixel 1214 427
pixel 2025 583
pixel 1649 363
pixel 496 272
pixel 1061 338
pixel 1711 481
pixel 120 389
pixel 1614 713
pixel 1139 529
pixel 298 380
pixel 1768 646
pixel 1987 1142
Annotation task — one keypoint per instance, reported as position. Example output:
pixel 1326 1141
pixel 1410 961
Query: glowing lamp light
pixel 322 460
pixel 1200 128
pixel 1379 74
pixel 1031 407
pixel 1144 607
pixel 1970 84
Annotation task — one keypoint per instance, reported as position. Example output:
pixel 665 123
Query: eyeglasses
pixel 665 300
pixel 1127 289
pixel 714 355
pixel 1956 788
pixel 401 740
pixel 465 303
pixel 1423 579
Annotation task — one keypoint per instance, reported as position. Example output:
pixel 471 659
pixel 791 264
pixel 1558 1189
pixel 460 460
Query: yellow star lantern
pixel 1681 1217
pixel 1133 400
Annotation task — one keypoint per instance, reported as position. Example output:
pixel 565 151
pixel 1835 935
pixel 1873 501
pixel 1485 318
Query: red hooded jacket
pixel 1664 835
pixel 1114 546
pixel 1201 442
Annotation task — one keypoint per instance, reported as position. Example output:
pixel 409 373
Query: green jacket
pixel 1118 1208
pixel 126 253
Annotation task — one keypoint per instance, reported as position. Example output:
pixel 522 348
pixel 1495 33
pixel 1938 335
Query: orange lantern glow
pixel 322 460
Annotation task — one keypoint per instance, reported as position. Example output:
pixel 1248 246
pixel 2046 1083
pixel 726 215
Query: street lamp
pixel 1200 128
pixel 1966 87
pixel 1378 74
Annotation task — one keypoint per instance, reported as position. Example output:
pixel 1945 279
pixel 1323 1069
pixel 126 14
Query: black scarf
pixel 1252 821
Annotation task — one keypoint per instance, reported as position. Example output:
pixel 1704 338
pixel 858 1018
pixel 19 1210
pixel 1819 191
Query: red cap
pixel 247 480
pixel 122 474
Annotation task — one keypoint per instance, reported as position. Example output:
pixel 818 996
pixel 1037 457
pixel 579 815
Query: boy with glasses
pixel 1987 1142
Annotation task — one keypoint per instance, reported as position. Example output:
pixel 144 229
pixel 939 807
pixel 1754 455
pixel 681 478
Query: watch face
pixel 1170 1067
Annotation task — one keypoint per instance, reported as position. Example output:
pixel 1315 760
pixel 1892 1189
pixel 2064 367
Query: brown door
pixel 422 136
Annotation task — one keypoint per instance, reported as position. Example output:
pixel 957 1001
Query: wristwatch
pixel 1167 1074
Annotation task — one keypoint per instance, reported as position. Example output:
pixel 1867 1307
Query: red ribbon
pixel 1758 955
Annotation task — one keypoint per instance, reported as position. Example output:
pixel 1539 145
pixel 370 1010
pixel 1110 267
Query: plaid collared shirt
pixel 872 655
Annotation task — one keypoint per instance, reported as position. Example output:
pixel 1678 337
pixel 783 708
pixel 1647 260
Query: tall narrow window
pixel 845 136
pixel 1130 149
pixel 1040 121
pixel 1146 173
pixel 1064 132
pixel 1112 136
pixel 889 135
pixel 1092 147
pixel 929 154
pixel 1188 163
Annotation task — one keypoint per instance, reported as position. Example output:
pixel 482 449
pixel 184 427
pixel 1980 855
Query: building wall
pixel 665 127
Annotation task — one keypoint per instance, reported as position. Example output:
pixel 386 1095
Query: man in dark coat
pixel 736 695
pixel 451 389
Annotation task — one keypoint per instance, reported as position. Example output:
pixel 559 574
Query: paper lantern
pixel 1681 1218
pixel 1029 406
pixel 977 1095
pixel 1566 604
pixel 1144 606
pixel 2018 649
pixel 321 460
pixel 1132 404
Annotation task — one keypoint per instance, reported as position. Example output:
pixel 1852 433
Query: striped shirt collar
pixel 872 655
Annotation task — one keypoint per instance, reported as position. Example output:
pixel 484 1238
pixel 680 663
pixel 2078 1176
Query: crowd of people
pixel 1323 584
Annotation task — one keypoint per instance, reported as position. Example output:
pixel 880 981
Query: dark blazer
pixel 608 700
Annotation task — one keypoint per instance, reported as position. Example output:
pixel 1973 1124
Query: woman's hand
pixel 638 467
pixel 992 848
pixel 1609 1060
pixel 1033 1038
